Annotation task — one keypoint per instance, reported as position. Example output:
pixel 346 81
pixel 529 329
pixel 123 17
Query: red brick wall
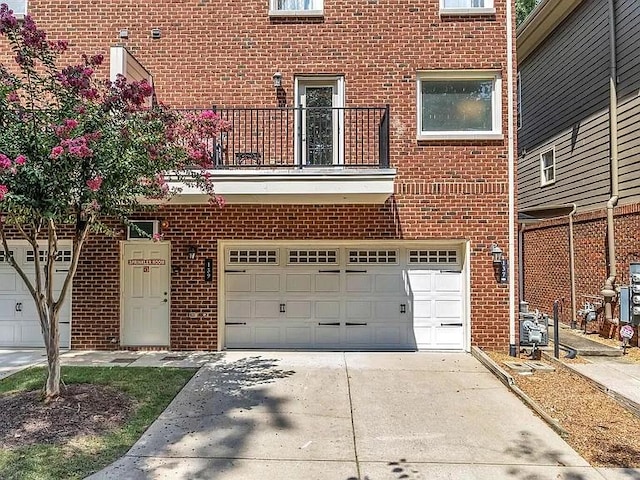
pixel 546 262
pixel 225 53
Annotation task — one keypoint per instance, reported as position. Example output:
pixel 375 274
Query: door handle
pixel 283 308
pixel 19 307
pixel 403 308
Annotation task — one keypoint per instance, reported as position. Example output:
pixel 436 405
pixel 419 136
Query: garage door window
pixel 4 258
pixel 373 256
pixel 253 257
pixel 325 257
pixel 63 256
pixel 433 257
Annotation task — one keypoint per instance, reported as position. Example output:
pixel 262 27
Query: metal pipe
pixel 511 173
pixel 556 330
pixel 572 268
pixel 608 291
pixel 521 263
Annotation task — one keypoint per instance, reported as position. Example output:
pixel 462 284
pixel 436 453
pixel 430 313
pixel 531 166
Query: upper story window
pixel 463 104
pixel 296 7
pixel 467 7
pixel 19 7
pixel 548 167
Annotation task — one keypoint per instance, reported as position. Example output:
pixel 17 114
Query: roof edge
pixel 543 20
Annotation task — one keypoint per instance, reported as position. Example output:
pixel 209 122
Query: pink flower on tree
pixel 94 183
pixel 56 152
pixel 20 160
pixel 3 191
pixel 5 162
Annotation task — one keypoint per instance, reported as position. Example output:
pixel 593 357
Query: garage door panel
pixel 449 337
pixel 238 335
pixel 329 310
pixel 297 335
pixel 359 283
pixel 423 335
pixel 448 308
pixel 389 310
pixel 8 308
pixel 358 310
pixel 448 282
pixel 423 307
pixel 8 282
pixel 390 336
pixel 267 283
pixel 269 334
pixel 265 309
pixel 327 282
pixel 389 284
pixel 239 308
pixel 298 282
pixel 359 335
pixel 238 282
pixel 298 309
pixel 327 335
pixel 420 281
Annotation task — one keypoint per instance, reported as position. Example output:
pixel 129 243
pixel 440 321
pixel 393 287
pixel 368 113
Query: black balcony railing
pixel 301 137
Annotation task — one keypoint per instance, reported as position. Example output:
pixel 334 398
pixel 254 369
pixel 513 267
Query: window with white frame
pixel 459 105
pixel 467 6
pixel 19 7
pixel 548 167
pixel 296 7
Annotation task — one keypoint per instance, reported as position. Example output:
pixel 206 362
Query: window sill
pixel 296 13
pixel 467 11
pixel 547 184
pixel 459 136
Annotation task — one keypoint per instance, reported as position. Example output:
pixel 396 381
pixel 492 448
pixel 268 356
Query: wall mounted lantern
pixel 496 255
pixel 192 251
pixel 277 80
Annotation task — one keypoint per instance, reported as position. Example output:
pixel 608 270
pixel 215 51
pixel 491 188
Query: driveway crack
pixel 353 427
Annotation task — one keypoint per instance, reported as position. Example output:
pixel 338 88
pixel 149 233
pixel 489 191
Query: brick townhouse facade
pixel 364 193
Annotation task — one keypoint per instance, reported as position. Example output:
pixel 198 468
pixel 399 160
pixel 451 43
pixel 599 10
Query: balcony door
pixel 320 120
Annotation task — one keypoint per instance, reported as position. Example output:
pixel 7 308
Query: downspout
pixel 511 173
pixel 608 291
pixel 572 268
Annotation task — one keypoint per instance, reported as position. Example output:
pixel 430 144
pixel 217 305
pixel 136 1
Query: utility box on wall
pixel 634 294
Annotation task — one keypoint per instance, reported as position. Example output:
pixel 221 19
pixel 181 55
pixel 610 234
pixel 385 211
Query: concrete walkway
pixel 14 360
pixel 348 416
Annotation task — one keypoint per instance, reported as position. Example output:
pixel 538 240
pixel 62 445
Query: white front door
pixel 145 293
pixel 321 103
pixel 19 320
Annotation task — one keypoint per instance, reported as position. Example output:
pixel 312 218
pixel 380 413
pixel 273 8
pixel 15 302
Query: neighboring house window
pixel 19 7
pixel 462 7
pixel 548 167
pixel 296 7
pixel 459 105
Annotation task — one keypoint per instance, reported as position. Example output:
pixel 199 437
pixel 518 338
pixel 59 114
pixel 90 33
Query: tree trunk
pixel 52 342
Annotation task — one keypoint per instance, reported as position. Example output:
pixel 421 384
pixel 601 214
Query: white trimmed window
pixel 467 7
pixel 548 167
pixel 19 7
pixel 296 7
pixel 461 104
pixel 142 229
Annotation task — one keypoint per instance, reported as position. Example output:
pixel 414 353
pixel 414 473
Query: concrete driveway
pixel 13 360
pixel 349 416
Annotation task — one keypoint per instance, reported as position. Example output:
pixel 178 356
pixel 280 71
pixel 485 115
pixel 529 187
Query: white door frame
pixel 463 245
pixel 122 290
pixel 337 83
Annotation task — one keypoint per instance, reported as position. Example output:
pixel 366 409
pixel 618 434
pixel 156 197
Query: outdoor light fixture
pixel 496 254
pixel 277 80
pixel 192 252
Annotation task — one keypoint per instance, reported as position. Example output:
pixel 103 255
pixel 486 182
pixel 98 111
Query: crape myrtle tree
pixel 74 152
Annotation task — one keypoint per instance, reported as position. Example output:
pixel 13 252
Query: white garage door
pixel 344 298
pixel 19 322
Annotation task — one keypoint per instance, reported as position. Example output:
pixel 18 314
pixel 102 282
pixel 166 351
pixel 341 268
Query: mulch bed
pixel 600 429
pixel 81 410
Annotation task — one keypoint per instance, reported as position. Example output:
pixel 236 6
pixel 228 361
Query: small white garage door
pixel 19 322
pixel 390 298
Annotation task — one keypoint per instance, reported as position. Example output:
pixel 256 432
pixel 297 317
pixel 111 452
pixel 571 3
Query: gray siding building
pixel 579 68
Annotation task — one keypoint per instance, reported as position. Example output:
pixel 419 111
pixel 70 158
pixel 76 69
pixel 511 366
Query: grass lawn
pixel 152 389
